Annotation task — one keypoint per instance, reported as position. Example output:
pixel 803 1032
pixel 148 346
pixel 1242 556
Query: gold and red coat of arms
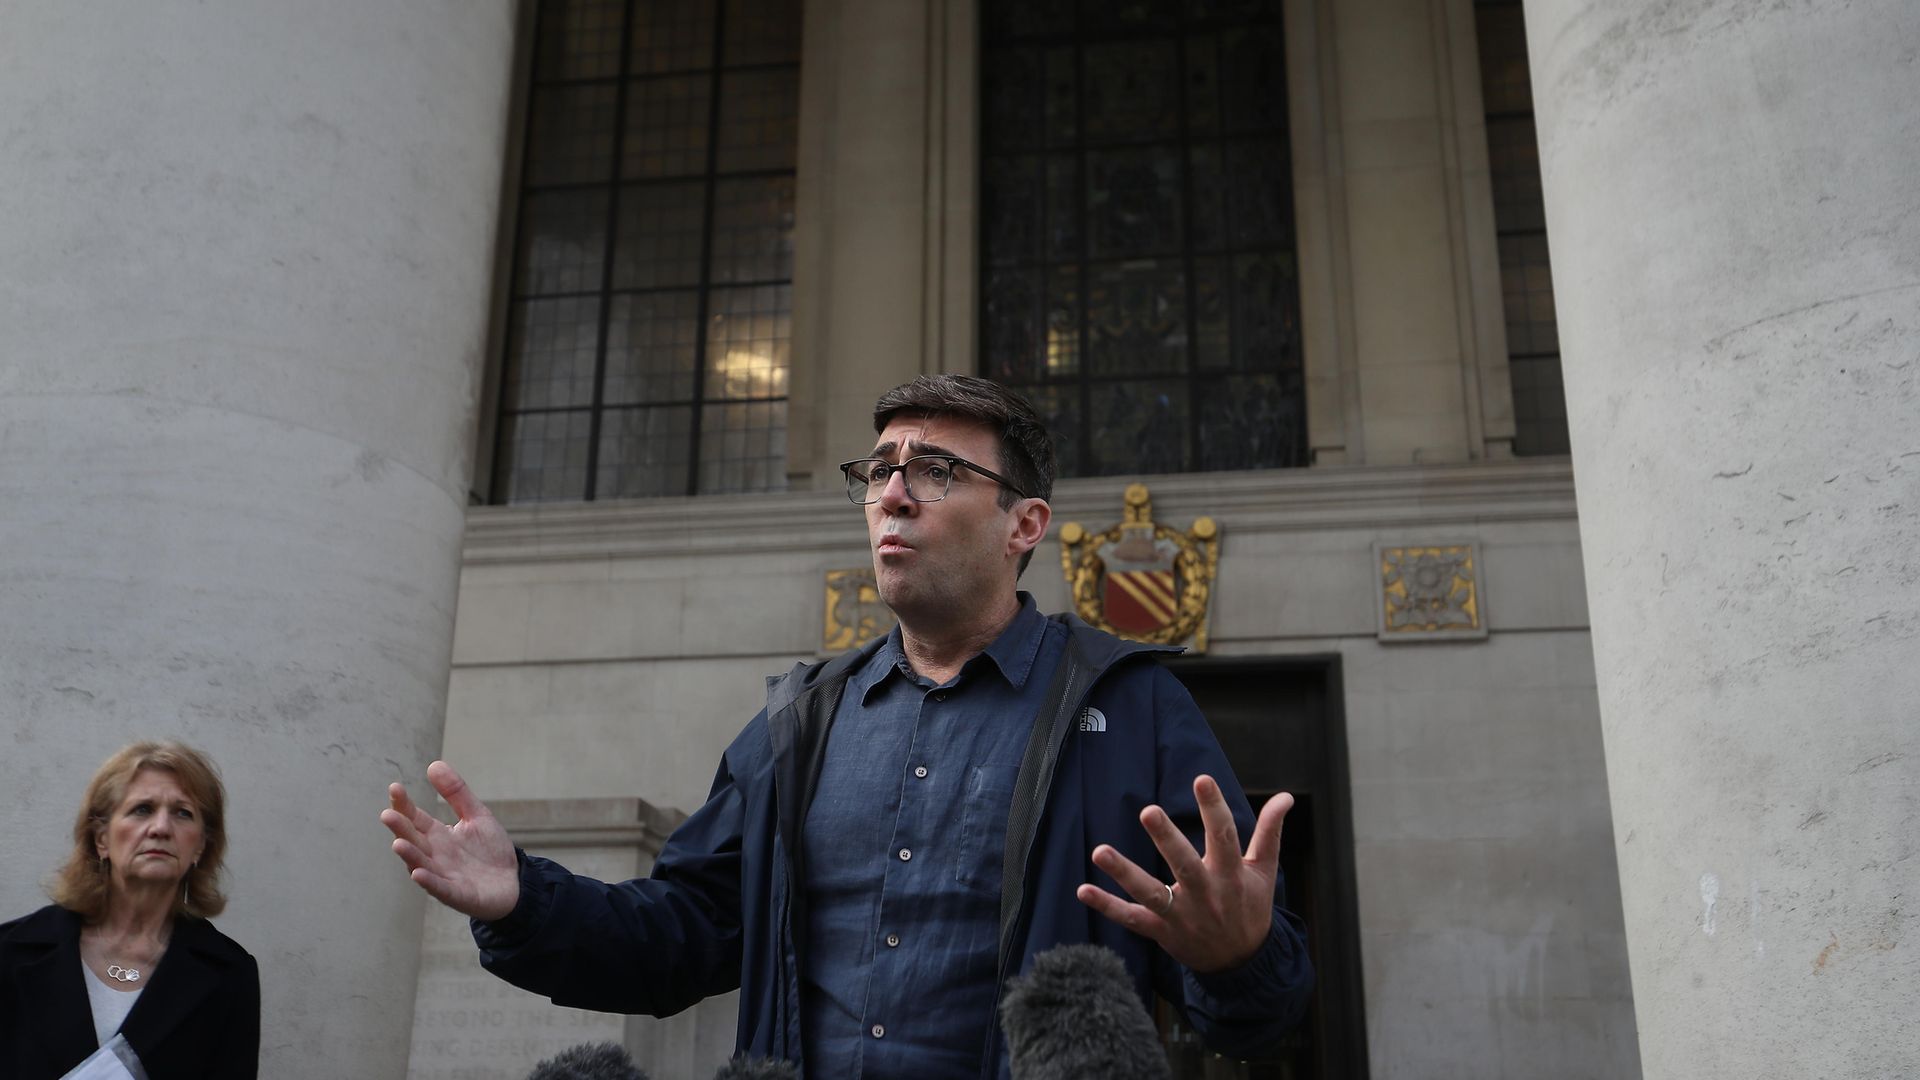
pixel 1141 580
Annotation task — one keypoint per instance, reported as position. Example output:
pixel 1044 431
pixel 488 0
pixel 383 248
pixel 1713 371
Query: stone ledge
pixel 1273 500
pixel 550 823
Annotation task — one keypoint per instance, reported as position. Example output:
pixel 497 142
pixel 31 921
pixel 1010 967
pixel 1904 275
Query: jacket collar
pixel 784 690
pixel 1011 653
pixel 1102 650
pixel 801 705
pixel 805 729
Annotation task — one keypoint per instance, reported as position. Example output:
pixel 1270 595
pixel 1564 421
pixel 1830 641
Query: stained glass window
pixel 1520 219
pixel 1139 281
pixel 650 320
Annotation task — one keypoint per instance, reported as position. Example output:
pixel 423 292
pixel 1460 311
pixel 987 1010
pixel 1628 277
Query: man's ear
pixel 1030 518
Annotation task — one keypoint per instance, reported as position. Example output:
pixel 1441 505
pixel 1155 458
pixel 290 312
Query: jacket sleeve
pixel 1245 1011
pixel 238 1056
pixel 654 945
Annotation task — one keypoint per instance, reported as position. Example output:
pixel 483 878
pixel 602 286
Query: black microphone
pixel 589 1061
pixel 741 1068
pixel 1075 1016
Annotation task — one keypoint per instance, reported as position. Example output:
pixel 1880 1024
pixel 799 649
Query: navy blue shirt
pixel 903 849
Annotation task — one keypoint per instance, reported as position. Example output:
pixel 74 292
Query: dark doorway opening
pixel 1282 726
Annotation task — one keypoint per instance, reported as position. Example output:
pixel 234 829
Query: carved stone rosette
pixel 1430 592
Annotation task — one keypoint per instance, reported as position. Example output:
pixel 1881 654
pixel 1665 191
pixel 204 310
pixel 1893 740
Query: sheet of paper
pixel 114 1061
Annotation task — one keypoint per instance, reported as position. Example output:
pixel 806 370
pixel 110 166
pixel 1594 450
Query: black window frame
pixel 616 183
pixel 1181 27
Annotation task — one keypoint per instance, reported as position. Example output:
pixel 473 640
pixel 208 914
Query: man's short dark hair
pixel 1026 448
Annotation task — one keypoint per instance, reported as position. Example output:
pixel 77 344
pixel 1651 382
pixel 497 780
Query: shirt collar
pixel 1012 653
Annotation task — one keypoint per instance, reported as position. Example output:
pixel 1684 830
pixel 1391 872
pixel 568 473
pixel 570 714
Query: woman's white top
pixel 110 1006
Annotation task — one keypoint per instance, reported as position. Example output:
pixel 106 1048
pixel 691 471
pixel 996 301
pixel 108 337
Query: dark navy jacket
pixel 719 911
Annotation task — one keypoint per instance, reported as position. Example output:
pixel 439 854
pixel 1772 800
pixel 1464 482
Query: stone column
pixel 244 276
pixel 1733 196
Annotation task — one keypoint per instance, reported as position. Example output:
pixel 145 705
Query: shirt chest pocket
pixel 983 826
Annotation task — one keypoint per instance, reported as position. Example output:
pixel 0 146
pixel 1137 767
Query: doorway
pixel 1282 726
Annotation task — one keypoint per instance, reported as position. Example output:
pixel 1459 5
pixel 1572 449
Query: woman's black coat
pixel 199 1016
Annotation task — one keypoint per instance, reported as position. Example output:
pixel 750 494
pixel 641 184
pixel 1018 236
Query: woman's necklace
pixel 120 973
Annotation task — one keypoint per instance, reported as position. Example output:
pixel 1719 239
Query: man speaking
pixel 904 827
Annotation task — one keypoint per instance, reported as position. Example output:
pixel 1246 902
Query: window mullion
pixel 597 412
pixel 1083 179
pixel 1189 263
pixel 703 306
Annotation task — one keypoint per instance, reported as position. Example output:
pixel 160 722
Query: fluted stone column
pixel 244 274
pixel 1733 196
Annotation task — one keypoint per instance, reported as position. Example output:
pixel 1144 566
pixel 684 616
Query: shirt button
pixel 920 771
pixel 879 1031
pixel 893 941
pixel 941 696
pixel 905 854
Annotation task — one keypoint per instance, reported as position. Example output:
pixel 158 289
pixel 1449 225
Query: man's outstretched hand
pixel 469 866
pixel 1222 904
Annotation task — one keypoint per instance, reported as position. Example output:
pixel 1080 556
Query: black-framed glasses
pixel 928 476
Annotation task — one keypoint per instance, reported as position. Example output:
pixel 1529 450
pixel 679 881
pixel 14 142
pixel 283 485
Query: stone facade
pixel 248 252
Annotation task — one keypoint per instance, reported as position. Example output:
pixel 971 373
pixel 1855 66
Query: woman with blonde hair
pixel 125 948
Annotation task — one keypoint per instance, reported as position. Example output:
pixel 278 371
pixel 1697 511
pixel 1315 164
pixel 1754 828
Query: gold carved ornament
pixel 1140 580
pixel 1430 592
pixel 855 614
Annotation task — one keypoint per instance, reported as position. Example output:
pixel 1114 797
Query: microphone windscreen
pixel 1074 1016
pixel 589 1061
pixel 741 1068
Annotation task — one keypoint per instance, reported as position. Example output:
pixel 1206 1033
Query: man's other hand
pixel 1220 907
pixel 470 866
